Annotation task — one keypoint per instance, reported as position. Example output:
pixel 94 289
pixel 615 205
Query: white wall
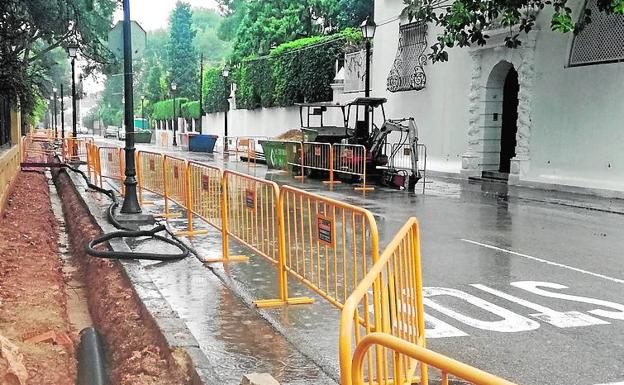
pixel 578 118
pixel 441 109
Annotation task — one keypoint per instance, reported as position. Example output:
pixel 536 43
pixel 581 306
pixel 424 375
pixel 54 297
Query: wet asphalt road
pixel 528 290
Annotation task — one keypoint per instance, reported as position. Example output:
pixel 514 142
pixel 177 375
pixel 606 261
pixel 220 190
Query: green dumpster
pixel 143 136
pixel 279 153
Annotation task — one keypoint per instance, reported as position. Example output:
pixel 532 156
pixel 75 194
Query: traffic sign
pixel 139 40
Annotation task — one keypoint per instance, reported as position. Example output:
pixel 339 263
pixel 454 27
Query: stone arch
pixel 490 65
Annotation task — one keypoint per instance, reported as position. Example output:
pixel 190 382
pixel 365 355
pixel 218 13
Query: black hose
pixel 126 232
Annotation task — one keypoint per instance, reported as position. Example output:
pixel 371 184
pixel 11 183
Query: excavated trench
pixel 136 351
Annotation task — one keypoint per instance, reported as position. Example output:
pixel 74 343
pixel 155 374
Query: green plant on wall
pixel 190 110
pixel 215 91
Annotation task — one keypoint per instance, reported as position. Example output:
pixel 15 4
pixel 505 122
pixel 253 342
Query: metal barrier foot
pixel 187 233
pixel 332 182
pixel 364 189
pixel 170 215
pixel 231 258
pixel 266 303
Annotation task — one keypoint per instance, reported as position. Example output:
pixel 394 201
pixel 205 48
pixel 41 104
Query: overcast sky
pixel 154 14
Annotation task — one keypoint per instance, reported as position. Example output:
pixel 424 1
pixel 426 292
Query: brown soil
pixel 295 135
pixel 137 353
pixel 32 300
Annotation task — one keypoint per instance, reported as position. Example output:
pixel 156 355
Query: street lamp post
pixel 72 52
pixel 131 202
pixel 142 111
pixel 201 94
pixel 55 114
pixel 175 117
pixel 226 73
pixel 62 116
pixel 368 28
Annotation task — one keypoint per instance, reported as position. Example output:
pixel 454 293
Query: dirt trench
pixel 136 351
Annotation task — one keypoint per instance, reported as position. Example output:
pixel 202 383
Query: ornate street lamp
pixel 368 28
pixel 226 73
pixel 174 86
pixel 72 52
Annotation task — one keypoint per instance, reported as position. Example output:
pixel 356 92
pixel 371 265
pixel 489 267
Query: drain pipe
pixel 91 367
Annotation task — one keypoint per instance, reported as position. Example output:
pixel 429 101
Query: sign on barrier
pixel 205 190
pixel 350 159
pixel 327 245
pixel 393 306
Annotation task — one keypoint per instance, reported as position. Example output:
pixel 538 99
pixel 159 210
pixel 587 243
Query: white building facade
pixel 549 114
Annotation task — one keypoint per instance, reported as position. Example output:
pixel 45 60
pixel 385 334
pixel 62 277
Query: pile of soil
pixel 32 297
pixel 136 351
pixel 294 135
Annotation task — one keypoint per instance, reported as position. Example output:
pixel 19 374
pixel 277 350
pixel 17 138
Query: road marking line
pixel 618 280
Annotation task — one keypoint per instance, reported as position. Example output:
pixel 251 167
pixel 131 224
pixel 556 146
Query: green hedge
pixel 297 71
pixel 215 91
pixel 190 110
pixel 163 110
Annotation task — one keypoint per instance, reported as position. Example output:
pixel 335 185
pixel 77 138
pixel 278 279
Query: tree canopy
pixel 182 59
pixel 466 22
pixel 33 35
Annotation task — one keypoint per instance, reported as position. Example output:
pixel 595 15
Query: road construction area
pixel 522 283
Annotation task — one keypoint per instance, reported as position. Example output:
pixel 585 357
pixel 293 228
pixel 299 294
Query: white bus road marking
pixel 617 280
pixel 568 319
pixel 613 383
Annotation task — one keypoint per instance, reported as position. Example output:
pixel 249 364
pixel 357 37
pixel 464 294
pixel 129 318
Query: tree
pixel 181 53
pixel 465 22
pixel 207 23
pixel 31 29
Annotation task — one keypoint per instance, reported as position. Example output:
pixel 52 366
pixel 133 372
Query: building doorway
pixel 509 127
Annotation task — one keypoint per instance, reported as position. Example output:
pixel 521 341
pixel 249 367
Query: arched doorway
pixel 509 127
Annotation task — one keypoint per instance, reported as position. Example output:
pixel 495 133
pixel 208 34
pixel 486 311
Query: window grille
pixel 600 41
pixel 407 72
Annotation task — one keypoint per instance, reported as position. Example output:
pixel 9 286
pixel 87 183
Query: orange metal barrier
pixel 150 173
pixel 394 306
pixel 75 149
pixel 397 349
pixel 249 215
pixel 230 146
pixel 205 187
pixel 350 159
pixel 400 158
pixel 317 156
pixel 110 165
pixel 327 245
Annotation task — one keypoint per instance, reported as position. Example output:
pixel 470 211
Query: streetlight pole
pixel 368 28
pixel 142 113
pixel 72 51
pixel 226 73
pixel 175 117
pixel 201 93
pixel 131 201
pixel 62 116
pixel 55 115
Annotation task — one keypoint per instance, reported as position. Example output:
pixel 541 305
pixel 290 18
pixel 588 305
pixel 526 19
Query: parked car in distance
pixel 121 134
pixel 111 132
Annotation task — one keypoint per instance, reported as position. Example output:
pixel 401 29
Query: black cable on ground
pixel 126 232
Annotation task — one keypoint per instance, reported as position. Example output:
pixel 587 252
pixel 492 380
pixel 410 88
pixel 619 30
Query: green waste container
pixel 279 153
pixel 143 136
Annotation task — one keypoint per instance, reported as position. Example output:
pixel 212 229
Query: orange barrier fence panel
pixel 327 245
pixel 389 299
pixel 249 214
pixel 205 184
pixel 151 173
pixel 397 348
pixel 175 175
pixel 111 165
pixel 350 159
